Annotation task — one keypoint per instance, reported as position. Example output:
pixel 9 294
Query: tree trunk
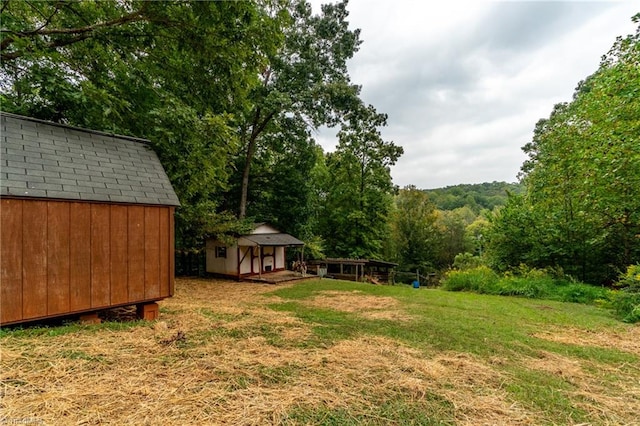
pixel 256 129
pixel 251 150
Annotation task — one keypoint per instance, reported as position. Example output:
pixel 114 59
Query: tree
pixel 283 189
pixel 581 210
pixel 451 226
pixel 42 29
pixel 177 73
pixel 305 79
pixel 414 233
pixel 359 195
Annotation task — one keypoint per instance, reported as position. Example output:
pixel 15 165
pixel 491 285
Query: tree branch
pixel 132 17
pixel 77 33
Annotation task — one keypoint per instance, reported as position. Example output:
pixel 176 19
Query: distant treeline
pixel 478 197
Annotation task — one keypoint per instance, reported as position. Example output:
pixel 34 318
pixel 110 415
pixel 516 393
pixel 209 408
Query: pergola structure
pixel 353 269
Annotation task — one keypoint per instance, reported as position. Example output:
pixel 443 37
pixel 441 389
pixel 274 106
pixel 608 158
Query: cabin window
pixel 221 252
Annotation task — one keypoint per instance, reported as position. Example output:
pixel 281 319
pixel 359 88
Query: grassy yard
pixel 329 353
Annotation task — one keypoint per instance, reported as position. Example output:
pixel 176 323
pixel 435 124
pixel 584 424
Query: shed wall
pixel 61 257
pixel 223 266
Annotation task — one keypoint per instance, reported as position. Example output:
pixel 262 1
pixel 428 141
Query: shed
pixel 86 222
pixel 354 269
pixel 261 251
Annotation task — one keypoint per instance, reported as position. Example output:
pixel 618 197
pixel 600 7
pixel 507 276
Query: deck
pixel 279 277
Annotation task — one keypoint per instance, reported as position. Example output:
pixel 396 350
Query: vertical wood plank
pixel 57 257
pixel 119 272
pixel 172 251
pixel 11 255
pixel 80 256
pixel 151 253
pixel 163 230
pixel 136 253
pixel 100 253
pixel 34 262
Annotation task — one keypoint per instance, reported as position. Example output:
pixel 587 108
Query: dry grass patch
pixel 366 306
pixel 549 362
pixel 612 401
pixel 625 340
pixel 219 355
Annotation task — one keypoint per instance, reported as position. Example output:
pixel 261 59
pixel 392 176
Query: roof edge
pixel 80 129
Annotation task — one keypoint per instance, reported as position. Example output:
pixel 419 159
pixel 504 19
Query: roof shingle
pixel 50 160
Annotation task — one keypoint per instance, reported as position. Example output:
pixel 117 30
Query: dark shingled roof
pixel 43 159
pixel 279 239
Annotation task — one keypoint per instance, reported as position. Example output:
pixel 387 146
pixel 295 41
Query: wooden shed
pixel 86 222
pixel 260 252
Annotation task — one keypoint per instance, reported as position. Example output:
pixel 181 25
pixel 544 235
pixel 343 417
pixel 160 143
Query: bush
pixel 464 261
pixel 525 282
pixel 480 280
pixel 626 302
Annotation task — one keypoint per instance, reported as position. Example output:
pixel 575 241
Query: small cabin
pixel 260 252
pixel 87 222
pixel 353 269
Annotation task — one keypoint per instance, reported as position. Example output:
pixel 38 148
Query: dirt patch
pixel 367 306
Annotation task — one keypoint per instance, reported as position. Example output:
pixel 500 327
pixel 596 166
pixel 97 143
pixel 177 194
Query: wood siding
pixel 61 257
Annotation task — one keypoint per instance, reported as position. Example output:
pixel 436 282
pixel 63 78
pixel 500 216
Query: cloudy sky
pixel 464 83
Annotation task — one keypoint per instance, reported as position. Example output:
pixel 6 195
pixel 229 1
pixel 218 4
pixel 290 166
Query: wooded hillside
pixel 478 197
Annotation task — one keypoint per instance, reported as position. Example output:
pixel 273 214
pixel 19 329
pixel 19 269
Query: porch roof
pixel 279 239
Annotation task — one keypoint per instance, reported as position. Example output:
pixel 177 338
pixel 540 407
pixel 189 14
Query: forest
pixel 230 94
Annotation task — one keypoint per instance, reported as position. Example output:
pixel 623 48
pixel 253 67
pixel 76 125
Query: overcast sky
pixel 464 83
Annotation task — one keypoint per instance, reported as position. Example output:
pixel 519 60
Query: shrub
pixel 626 302
pixel 525 282
pixel 480 280
pixel 464 261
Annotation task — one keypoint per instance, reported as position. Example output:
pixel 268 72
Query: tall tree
pixel 360 192
pixel 413 229
pixel 306 78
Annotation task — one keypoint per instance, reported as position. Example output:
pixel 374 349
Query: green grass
pixel 432 412
pixel 485 326
pixel 479 324
pixel 60 328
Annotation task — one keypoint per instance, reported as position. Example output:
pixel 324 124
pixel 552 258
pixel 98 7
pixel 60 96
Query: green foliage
pixel 451 239
pixel 525 282
pixel 581 210
pixel 354 218
pixel 480 280
pixel 413 230
pixel 626 301
pixel 466 260
pixel 477 197
pixel 303 84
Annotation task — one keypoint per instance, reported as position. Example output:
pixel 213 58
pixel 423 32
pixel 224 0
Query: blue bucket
pixel 416 284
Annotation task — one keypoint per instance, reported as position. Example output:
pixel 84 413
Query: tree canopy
pixel 229 94
pixel 581 210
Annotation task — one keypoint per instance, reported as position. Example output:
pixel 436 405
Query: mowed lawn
pixel 329 353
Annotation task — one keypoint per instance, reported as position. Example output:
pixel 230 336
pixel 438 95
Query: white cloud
pixel 464 83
